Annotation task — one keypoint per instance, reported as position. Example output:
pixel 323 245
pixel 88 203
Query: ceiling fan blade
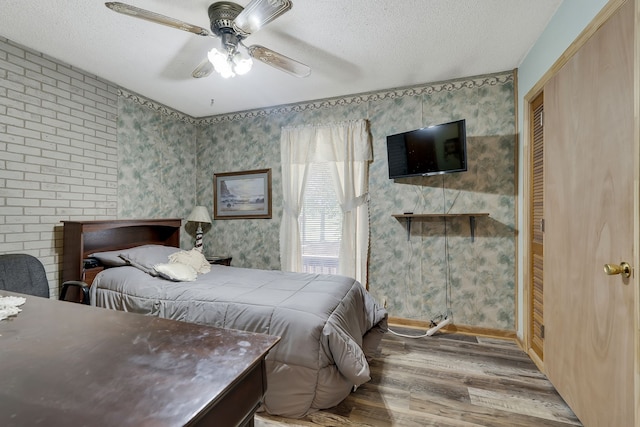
pixel 203 70
pixel 156 17
pixel 279 61
pixel 259 13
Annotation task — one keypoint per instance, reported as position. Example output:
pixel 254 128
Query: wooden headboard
pixel 82 238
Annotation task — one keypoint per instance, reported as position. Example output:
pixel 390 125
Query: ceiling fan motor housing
pixel 221 16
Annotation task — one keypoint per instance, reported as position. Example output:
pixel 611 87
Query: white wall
pixel 58 153
pixel 564 27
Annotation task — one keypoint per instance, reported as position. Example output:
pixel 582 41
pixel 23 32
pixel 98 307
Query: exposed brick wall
pixel 58 153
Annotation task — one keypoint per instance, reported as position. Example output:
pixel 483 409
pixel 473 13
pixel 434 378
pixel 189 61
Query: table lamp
pixel 199 215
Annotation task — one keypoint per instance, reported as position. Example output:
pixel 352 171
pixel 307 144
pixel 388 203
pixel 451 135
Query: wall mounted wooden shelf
pixel 409 217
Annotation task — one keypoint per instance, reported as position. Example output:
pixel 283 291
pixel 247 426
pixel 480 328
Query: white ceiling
pixel 352 46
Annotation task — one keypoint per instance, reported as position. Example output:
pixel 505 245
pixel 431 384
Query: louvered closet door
pixel 537 227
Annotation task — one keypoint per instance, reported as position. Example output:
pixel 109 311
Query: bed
pixel 329 325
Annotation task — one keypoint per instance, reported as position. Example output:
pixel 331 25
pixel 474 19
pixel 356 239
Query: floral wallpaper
pixel 168 161
pixel 156 163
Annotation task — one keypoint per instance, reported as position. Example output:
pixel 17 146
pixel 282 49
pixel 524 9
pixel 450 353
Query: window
pixel 330 215
pixel 320 222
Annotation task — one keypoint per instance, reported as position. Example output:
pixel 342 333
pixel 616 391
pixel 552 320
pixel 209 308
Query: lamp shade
pixel 199 214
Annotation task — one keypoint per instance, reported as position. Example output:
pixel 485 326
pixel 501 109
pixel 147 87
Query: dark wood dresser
pixel 68 364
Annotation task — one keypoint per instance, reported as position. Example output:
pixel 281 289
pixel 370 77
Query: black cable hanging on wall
pixel 446 318
pixel 448 313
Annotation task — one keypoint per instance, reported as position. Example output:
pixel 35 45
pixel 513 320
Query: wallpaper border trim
pixel 156 106
pixel 417 90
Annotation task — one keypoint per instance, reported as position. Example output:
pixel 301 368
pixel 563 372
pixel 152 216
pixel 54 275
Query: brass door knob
pixel 624 268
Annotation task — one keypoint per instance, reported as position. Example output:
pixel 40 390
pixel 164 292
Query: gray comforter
pixel 328 325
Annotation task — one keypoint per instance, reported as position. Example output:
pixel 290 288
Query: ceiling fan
pixel 232 24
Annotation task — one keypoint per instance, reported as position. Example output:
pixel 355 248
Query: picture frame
pixel 242 195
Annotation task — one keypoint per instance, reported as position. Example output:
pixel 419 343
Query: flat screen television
pixel 432 150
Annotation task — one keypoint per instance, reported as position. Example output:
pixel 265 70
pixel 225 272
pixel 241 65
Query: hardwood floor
pixel 446 380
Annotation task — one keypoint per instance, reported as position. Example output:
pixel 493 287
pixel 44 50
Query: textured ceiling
pixel 352 46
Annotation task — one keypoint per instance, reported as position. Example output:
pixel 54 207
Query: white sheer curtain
pixel 347 148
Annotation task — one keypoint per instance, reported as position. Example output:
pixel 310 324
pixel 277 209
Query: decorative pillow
pixel 109 258
pixel 194 258
pixel 176 272
pixel 146 256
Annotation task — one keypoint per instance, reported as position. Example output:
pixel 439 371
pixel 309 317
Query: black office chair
pixel 25 274
pixel 82 294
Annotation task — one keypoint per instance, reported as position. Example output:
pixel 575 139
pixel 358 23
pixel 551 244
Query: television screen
pixel 432 150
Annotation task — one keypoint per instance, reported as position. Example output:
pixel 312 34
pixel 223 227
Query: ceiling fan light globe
pixel 217 58
pixel 220 63
pixel 243 68
pixel 225 70
pixel 242 65
pixel 226 73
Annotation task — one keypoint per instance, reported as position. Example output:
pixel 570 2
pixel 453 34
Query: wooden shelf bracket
pixel 408 218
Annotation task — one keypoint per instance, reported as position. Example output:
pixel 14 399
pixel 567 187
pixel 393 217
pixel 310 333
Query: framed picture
pixel 242 195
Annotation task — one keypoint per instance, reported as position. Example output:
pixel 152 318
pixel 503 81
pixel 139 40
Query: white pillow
pixel 194 258
pixel 176 272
